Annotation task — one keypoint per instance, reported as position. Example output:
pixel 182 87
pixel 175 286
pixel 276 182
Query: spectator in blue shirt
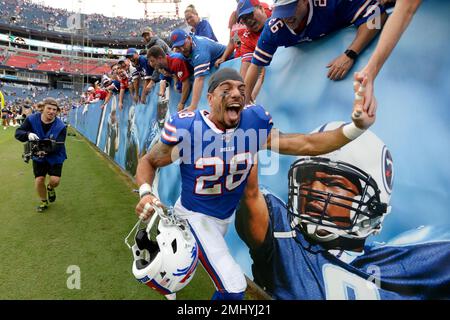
pixel 201 53
pixel 144 70
pixel 297 21
pixel 199 27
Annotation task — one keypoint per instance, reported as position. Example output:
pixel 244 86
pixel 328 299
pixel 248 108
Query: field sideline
pixel 85 227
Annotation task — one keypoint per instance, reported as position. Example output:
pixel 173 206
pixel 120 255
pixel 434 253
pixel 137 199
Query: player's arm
pixel 297 144
pixel 134 83
pixel 196 92
pixel 121 94
pixel 252 218
pixel 228 51
pixel 162 88
pixel 248 50
pixel 148 86
pixel 159 156
pixel 185 90
pixel 131 86
pixel 250 80
pixel 259 81
pixel 201 69
pixel 397 23
pixel 262 55
pixel 136 89
pixel 324 142
pixel 244 68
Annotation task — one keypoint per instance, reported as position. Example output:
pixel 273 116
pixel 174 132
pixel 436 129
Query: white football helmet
pixel 168 263
pixel 367 164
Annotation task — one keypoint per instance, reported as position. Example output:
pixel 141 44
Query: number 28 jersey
pixel 215 164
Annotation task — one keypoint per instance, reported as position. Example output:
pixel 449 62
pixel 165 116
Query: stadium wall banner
pixel 412 120
pixel 59 46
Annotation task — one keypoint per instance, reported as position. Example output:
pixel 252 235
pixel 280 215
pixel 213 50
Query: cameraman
pixel 40 126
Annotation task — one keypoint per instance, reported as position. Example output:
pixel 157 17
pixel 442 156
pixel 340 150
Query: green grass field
pixel 85 227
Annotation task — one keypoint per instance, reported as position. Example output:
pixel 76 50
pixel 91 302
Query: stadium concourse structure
pixel 64 50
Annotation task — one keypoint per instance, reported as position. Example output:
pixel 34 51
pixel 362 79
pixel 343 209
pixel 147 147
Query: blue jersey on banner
pixel 215 164
pixel 324 17
pixel 204 54
pixel 290 267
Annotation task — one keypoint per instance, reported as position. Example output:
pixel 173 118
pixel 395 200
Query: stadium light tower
pixel 168 12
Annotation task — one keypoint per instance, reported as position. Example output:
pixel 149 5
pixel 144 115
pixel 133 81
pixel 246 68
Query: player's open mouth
pixel 233 111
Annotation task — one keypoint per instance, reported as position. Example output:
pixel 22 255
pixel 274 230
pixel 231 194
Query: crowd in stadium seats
pixel 119 27
pixel 35 16
pixel 52 63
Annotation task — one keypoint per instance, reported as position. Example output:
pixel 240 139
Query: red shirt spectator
pixel 90 94
pixel 250 38
pixel 101 94
pixel 123 78
pixel 237 31
pixel 177 65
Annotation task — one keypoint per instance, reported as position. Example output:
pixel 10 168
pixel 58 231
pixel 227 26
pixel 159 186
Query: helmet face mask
pixel 167 262
pixel 345 193
pixel 365 205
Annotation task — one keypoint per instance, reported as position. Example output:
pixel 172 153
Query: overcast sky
pixel 217 11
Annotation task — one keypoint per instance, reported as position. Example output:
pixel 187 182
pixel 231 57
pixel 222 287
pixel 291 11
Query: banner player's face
pixel 328 183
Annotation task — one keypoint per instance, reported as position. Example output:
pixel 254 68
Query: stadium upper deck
pixel 31 16
pixel 34 37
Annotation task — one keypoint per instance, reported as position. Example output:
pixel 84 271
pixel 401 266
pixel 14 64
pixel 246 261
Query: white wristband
pixel 351 131
pixel 144 190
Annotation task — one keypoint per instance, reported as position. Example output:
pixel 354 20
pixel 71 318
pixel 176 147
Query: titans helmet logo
pixel 388 170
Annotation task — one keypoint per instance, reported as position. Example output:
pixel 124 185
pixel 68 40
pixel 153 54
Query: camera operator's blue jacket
pixel 59 154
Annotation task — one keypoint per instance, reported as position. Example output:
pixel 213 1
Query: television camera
pixel 39 148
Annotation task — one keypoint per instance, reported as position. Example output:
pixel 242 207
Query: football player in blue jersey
pixel 296 21
pixel 201 53
pixel 315 247
pixel 216 151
